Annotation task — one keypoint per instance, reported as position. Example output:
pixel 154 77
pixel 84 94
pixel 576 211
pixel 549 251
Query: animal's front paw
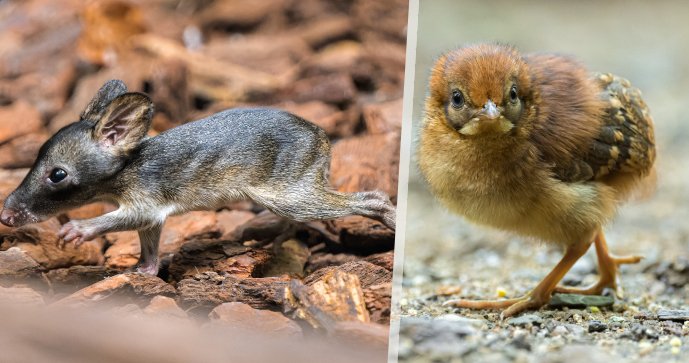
pixel 75 231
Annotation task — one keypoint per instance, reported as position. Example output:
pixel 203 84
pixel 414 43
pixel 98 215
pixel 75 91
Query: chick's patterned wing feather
pixel 625 143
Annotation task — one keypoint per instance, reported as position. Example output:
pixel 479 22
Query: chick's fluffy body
pixel 582 144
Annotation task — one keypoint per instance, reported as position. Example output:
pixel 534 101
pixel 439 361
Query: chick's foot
pixel 608 266
pixel 512 307
pixel 535 299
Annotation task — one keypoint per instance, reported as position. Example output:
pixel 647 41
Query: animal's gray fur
pixel 275 158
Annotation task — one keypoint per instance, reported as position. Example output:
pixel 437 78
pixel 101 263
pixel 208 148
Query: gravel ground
pixel 446 257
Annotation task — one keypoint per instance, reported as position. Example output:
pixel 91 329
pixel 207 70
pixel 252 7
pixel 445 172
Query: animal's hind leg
pixel 319 204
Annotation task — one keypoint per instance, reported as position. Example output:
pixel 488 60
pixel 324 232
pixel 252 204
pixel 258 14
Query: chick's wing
pixel 625 143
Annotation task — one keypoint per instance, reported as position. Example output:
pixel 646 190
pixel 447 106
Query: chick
pixel 538 146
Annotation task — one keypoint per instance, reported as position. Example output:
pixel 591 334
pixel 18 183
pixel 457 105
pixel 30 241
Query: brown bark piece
pixel 322 260
pixel 40 242
pixel 266 323
pixel 335 123
pixel 46 84
pixel 368 273
pixel 378 300
pixel 9 180
pixel 265 227
pixel 384 65
pixel 275 54
pixel 16 263
pixel 39 35
pixel 169 91
pixel 226 257
pixel 335 89
pixel 369 162
pixel 363 235
pixel 69 280
pixel 124 250
pixel 382 19
pixel 335 58
pixel 125 247
pixel 209 289
pixel 289 258
pixel 381 118
pixel 362 334
pixel 211 78
pixel 325 30
pixel 21 151
pixel 336 296
pixel 108 26
pixel 192 225
pixel 375 282
pixel 385 260
pixel 134 287
pixel 165 307
pixel 23 296
pixel 230 220
pixel 18 119
pixel 236 15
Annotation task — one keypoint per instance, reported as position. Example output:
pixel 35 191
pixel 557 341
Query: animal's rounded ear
pixel 108 92
pixel 125 121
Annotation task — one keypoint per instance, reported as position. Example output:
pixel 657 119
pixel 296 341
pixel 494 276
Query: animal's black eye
pixel 457 99
pixel 57 175
pixel 513 94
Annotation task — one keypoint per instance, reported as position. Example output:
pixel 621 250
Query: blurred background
pixel 446 256
pixel 337 64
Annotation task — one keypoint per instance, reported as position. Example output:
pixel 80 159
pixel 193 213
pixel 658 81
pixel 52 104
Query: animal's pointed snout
pixel 8 217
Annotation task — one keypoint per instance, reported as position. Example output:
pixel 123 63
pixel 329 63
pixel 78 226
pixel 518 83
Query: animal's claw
pixel 74 231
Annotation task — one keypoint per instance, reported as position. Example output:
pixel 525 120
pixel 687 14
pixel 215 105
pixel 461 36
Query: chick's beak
pixel 488 120
pixel 490 111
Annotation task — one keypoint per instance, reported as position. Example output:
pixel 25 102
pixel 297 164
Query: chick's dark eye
pixel 57 175
pixel 457 99
pixel 513 94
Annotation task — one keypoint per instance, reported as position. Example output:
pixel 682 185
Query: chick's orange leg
pixel 607 268
pixel 538 297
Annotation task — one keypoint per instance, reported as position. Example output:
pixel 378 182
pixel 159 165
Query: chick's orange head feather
pixel 480 82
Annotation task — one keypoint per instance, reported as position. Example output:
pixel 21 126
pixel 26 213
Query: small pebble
pixel 520 333
pixel 676 342
pixel 525 319
pixel 617 319
pixel 575 330
pixel 645 348
pixel 633 310
pixel 559 330
pixel 653 307
pixel 520 340
pixel 448 290
pixel 675 315
pixel 580 301
pixel 577 318
pixel 607 342
pixel 596 326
